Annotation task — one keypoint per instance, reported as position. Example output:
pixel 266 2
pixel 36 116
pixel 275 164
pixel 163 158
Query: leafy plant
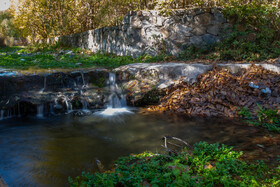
pixel 267 118
pixel 206 165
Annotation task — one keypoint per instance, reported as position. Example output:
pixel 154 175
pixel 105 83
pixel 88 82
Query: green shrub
pixel 206 165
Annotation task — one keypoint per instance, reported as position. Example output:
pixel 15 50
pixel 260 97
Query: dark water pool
pixel 44 152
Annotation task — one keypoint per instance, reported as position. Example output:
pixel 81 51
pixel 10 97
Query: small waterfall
pixel 117 102
pixel 40 111
pixel 9 114
pixel 2 114
pixel 116 99
pixel 68 105
pixel 83 79
pixel 45 84
pixel 85 105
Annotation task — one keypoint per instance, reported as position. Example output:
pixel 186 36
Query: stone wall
pixel 149 32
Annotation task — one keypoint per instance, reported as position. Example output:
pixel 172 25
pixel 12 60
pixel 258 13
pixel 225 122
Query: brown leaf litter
pixel 220 93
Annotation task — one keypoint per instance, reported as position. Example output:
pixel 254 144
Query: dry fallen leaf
pixel 220 93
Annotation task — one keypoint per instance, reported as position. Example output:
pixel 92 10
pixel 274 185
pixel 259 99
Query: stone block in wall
pixel 209 39
pixel 196 40
pixel 214 29
pixel 160 21
pixel 218 15
pixel 180 32
pixel 203 19
pixel 164 32
pixel 135 22
pixel 187 19
pixel 199 31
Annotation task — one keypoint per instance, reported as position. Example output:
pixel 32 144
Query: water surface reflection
pixel 44 152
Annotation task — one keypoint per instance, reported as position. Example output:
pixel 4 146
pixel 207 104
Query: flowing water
pixel 45 148
pixel 44 152
pixel 117 103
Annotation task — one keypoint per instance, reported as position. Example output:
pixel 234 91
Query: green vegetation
pixel 255 35
pixel 206 165
pixel 56 56
pixel 267 118
pixel 41 56
pixel 44 19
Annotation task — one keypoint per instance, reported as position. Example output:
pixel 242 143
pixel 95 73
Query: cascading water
pixel 68 106
pixel 117 103
pixel 40 111
pixel 6 114
pixel 2 115
pixel 45 84
pixel 83 78
pixel 57 93
pixel 85 105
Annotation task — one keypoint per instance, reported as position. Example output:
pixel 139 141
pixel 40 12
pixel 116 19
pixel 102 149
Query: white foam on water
pixel 115 111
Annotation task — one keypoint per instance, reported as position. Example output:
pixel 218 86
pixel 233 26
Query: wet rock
pixel 22 93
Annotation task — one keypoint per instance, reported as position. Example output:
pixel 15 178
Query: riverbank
pixel 40 95
pixel 204 164
pixel 45 57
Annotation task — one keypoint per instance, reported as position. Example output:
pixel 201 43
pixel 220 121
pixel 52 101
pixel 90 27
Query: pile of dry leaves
pixel 220 93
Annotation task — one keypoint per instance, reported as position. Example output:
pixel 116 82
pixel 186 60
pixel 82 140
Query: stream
pixel 58 129
pixel 46 151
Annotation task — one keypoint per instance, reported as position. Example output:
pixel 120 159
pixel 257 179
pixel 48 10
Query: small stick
pixel 180 140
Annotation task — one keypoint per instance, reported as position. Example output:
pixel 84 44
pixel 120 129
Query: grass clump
pixel 206 165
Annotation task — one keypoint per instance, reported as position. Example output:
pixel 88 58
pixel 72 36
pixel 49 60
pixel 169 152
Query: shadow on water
pixel 44 152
